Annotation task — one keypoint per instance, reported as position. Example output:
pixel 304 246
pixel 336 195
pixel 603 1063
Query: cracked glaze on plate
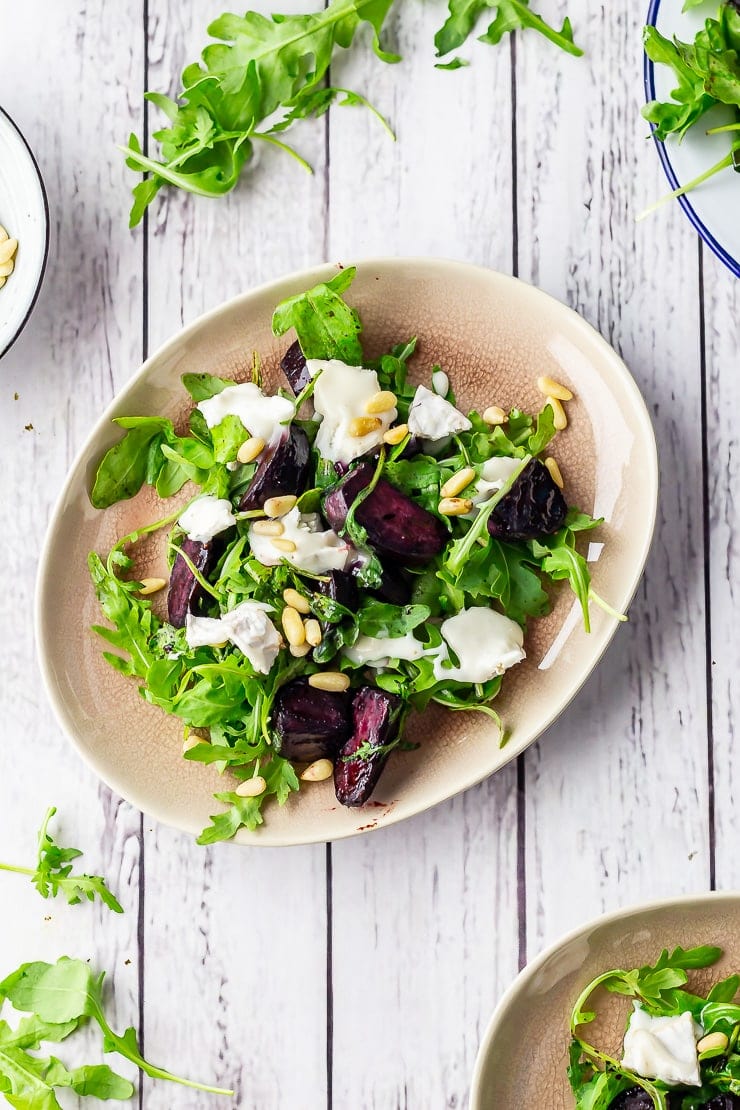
pixel 524 1053
pixel 494 335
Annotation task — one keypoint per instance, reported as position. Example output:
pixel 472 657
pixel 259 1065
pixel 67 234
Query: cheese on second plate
pixel 316 551
pixel 485 642
pixel 247 626
pixel 431 417
pixel 663 1047
pixel 339 397
pixel 260 415
pixel 375 651
pixel 206 517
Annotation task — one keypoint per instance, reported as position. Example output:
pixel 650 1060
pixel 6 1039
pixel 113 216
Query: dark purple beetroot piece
pixel 185 594
pixel 634 1099
pixel 283 468
pixel 723 1102
pixel 340 587
pixel 310 724
pixel 533 507
pixel 375 721
pixel 396 526
pixel 293 365
pixel 395 587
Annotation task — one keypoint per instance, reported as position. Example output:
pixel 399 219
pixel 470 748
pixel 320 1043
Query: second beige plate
pixel 494 335
pixel 524 1054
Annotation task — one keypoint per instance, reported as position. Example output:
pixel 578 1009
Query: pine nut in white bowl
pixel 24 215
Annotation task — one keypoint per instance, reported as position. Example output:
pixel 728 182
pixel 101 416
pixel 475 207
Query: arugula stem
pixel 463 547
pixel 725 127
pixel 283 146
pixel 723 164
pixel 17 870
pixel 202 582
pixel 145 530
pixel 598 600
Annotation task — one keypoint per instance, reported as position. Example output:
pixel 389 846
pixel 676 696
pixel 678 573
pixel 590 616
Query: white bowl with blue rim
pixel 24 213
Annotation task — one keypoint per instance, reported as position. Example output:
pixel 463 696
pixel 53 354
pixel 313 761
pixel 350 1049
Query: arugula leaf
pixel 69 991
pixel 261 65
pixel 201 387
pixel 511 15
pixel 53 873
pixel 127 465
pixel 326 326
pixel 378 618
pixel 281 780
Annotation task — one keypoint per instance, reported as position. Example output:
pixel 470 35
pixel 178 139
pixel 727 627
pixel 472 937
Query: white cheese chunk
pixel 247 626
pixel 340 396
pixel 251 630
pixel 206 517
pixel 663 1047
pixel 315 551
pixel 486 643
pixel 260 415
pixel 204 632
pixel 494 475
pixel 375 651
pixel 431 417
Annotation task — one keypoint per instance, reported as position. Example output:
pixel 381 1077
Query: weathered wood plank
pixel 235 938
pixel 722 342
pixel 618 788
pixel 425 914
pixel 82 341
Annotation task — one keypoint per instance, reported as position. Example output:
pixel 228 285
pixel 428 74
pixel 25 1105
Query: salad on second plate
pixel 680 1048
pixel 333 570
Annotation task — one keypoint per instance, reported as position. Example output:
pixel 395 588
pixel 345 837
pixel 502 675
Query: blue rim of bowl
pixel 703 231
pixel 42 271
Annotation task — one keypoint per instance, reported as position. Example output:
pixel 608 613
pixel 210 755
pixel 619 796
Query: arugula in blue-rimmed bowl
pixel 692 84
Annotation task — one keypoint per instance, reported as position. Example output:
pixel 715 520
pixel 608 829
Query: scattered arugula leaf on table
pixel 53 872
pixel 60 998
pixel 511 15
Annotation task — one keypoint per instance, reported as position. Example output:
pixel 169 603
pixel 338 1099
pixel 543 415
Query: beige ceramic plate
pixel 524 1053
pixel 494 335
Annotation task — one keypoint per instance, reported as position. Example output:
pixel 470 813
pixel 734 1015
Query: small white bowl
pixel 24 213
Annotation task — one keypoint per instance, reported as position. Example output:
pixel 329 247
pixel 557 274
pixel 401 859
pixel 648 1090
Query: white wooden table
pixel 362 975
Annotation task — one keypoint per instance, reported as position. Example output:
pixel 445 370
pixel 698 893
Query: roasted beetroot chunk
pixel 340 587
pixel 533 507
pixel 283 468
pixel 293 365
pixel 395 587
pixel 723 1102
pixel 375 721
pixel 634 1099
pixel 310 724
pixel 185 594
pixel 396 526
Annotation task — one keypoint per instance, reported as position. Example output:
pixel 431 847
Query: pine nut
pixel 268 528
pixel 293 628
pixel 551 388
pixel 333 681
pixel 712 1040
pixel 455 506
pixel 319 770
pixel 251 788
pixel 561 420
pixel 3 234
pixel 440 383
pixel 458 482
pixel 152 586
pixel 395 435
pixel 555 472
pixel 494 415
pixel 6 268
pixel 8 249
pixel 298 651
pixel 284 545
pixel 279 506
pixel 363 426
pixel 296 600
pixel 381 402
pixel 191 742
pixel 313 632
pixel 250 449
